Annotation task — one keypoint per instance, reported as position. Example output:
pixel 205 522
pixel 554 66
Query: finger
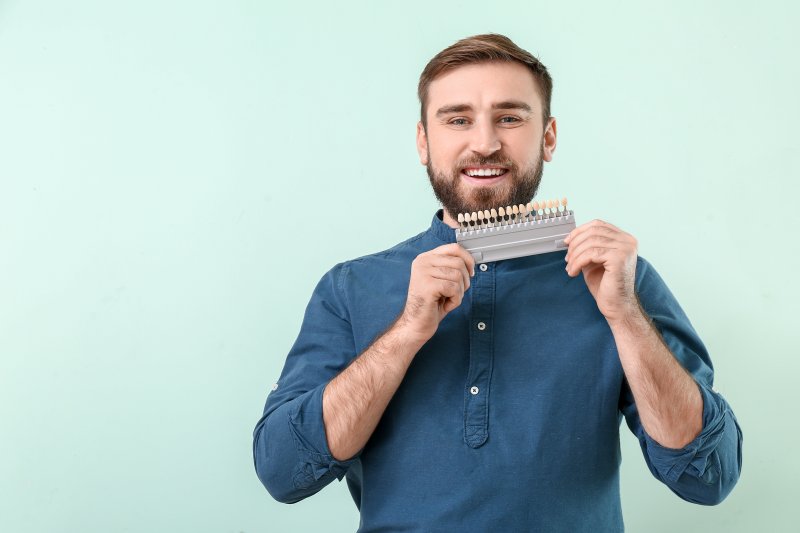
pixel 456 250
pixel 456 263
pixel 448 288
pixel 589 240
pixel 469 261
pixel 595 226
pixel 588 226
pixel 430 265
pixel 603 235
pixel 589 256
pixel 448 274
pixel 453 302
pixel 444 273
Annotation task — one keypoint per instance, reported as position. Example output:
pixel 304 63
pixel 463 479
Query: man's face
pixel 485 141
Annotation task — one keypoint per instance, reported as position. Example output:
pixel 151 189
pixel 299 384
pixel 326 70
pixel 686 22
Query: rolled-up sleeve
pixel 290 449
pixel 705 470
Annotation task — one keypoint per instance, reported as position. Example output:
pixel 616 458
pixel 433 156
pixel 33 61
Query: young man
pixel 489 396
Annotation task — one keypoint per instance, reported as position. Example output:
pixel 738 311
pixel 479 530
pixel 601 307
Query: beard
pixel 519 187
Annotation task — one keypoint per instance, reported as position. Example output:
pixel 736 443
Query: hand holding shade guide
pixel 515 231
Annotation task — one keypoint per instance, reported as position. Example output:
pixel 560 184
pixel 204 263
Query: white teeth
pixel 484 172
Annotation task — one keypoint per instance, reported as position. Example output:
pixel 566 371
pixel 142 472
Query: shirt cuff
pixel 308 431
pixel 672 463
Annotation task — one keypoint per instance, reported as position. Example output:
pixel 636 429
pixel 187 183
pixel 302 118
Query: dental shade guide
pixel 515 231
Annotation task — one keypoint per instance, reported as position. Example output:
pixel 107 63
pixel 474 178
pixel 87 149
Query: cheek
pixel 524 148
pixel 444 152
pixel 527 158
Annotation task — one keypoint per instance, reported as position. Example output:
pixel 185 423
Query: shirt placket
pixel 481 355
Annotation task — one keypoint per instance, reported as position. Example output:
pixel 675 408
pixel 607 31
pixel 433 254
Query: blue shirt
pixel 508 417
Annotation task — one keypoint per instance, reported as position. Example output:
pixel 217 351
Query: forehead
pixel 482 84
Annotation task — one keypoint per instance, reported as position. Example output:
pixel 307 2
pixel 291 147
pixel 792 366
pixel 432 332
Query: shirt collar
pixel 440 230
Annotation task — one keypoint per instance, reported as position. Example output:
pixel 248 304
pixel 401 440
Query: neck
pixel 450 221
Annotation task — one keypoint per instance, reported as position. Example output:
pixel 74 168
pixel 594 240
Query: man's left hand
pixel 607 257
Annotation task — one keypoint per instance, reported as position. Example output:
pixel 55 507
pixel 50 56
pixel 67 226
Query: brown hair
pixel 482 49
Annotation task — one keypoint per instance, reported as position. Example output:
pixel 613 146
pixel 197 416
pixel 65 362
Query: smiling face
pixel 486 139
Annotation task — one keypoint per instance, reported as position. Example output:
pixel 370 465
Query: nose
pixel 485 140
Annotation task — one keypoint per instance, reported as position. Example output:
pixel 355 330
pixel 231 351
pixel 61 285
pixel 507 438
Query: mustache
pixel 494 159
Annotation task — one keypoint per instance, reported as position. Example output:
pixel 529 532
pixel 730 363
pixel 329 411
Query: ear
pixel 422 144
pixel 549 140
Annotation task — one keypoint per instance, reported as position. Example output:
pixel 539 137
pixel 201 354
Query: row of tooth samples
pixel 513 214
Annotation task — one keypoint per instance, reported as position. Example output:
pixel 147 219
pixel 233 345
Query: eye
pixel 458 122
pixel 509 120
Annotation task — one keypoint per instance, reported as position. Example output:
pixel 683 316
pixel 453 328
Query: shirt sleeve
pixel 290 449
pixel 705 470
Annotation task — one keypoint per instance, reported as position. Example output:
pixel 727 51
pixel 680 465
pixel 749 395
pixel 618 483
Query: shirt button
pixel 481 326
pixel 474 390
pixel 483 267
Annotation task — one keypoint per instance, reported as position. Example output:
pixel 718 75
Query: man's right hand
pixel 439 279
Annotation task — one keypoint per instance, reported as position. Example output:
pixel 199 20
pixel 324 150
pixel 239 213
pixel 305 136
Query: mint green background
pixel 176 176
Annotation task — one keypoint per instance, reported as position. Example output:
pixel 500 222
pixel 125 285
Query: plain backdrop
pixel 175 177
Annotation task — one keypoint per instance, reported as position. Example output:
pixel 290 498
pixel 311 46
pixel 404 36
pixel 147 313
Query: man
pixel 453 395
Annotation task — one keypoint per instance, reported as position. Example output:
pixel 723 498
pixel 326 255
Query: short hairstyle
pixel 484 48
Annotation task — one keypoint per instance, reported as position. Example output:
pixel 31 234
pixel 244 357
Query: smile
pixel 484 171
pixel 483 175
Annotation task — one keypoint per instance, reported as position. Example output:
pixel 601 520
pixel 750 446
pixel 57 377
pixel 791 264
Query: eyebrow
pixel 460 108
